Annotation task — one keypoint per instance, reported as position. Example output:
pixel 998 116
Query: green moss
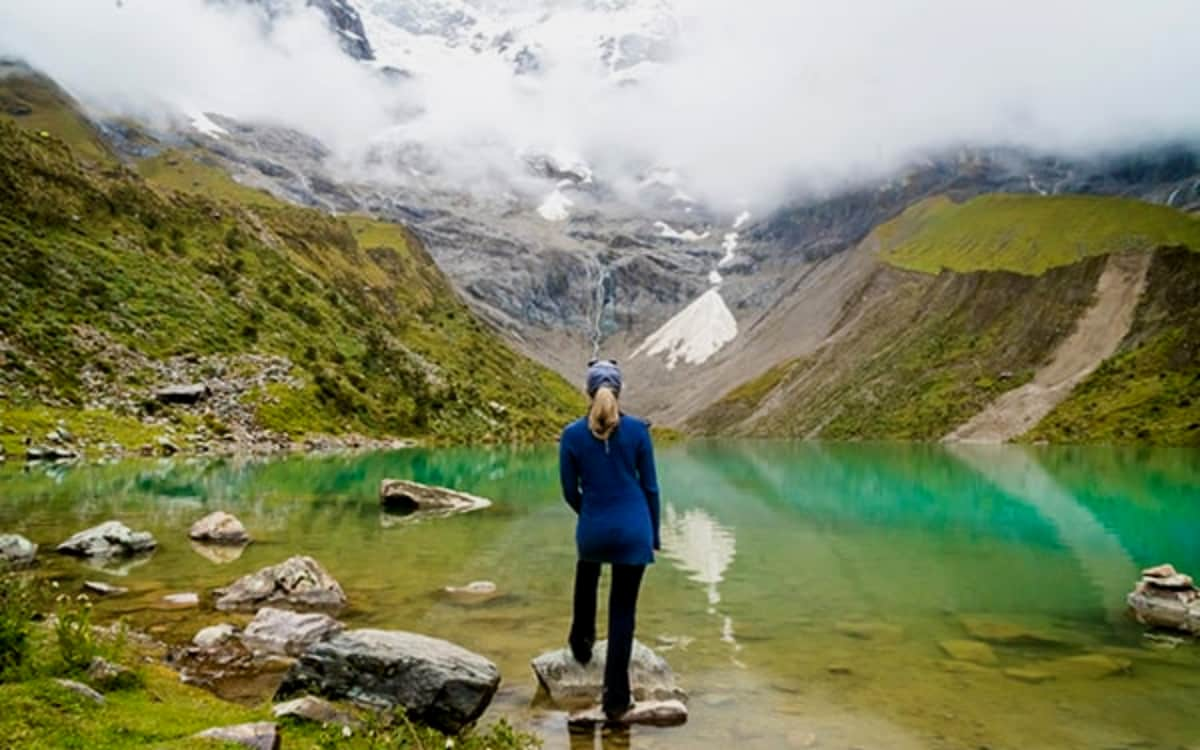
pixel 92 426
pixel 1028 234
pixel 381 343
pixel 1150 390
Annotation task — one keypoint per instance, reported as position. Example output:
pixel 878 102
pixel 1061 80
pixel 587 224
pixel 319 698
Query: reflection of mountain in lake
pixel 699 546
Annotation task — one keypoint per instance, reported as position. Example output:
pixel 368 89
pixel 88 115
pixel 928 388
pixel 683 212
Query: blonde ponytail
pixel 604 415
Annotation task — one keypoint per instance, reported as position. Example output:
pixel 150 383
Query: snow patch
pixel 201 122
pixel 687 235
pixel 695 334
pixel 714 277
pixel 730 245
pixel 741 219
pixel 555 206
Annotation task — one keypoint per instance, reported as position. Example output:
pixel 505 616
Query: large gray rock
pixel 299 581
pixel 437 682
pixel 403 496
pixel 110 539
pixel 16 551
pixel 1165 598
pixel 278 631
pixel 219 528
pixel 261 735
pixel 569 683
pixel 183 394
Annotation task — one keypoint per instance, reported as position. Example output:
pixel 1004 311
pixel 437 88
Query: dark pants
pixel 622 616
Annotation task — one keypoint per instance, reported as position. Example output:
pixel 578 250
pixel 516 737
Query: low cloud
pixel 755 100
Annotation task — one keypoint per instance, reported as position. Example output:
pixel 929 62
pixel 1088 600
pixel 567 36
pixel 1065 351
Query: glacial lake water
pixel 804 596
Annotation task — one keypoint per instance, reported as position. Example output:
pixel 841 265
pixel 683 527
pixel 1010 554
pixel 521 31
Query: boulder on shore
pixel 279 631
pixel 16 551
pixel 219 528
pixel 111 539
pixel 1166 598
pixel 316 710
pixel 437 682
pixel 299 581
pixel 403 496
pixel 569 683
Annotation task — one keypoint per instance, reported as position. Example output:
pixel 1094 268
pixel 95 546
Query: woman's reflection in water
pixel 600 738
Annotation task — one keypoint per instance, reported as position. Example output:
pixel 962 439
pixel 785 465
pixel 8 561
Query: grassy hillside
pixel 1028 234
pixel 1149 391
pixel 971 300
pixel 922 354
pixel 111 285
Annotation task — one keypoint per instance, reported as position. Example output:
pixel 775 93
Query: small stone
pixel 107 675
pixel 182 601
pixel 262 735
pixel 953 666
pixel 82 690
pixel 219 528
pixel 166 447
pixel 16 551
pixel 975 652
pixel 838 669
pixel 310 708
pixel 214 635
pixel 670 713
pixel 278 631
pixel 1028 674
pixel 104 589
pixel 571 684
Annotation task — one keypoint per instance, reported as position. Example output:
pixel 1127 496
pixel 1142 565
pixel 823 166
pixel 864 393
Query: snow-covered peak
pixel 695 334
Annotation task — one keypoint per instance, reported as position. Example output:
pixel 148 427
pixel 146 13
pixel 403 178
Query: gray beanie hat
pixel 603 373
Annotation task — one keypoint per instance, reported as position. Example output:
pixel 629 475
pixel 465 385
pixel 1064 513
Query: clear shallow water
pixel 801 597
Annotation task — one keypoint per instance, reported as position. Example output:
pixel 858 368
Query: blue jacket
pixel 612 485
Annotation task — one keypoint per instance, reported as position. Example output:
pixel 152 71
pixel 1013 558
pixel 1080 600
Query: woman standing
pixel 606 464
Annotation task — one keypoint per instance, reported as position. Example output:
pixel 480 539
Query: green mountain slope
pixel 111 285
pixel 968 302
pixel 1028 234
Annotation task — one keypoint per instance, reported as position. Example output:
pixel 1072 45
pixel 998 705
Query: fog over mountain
pixel 747 102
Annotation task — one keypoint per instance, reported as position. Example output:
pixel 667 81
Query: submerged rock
pixel 1165 598
pixel 651 713
pixel 871 631
pixel 993 630
pixel 976 652
pixel 567 682
pixel 278 631
pixel 16 551
pixel 219 528
pixel 299 581
pixel 403 496
pixel 111 539
pixel 475 592
pixel 437 682
pixel 261 735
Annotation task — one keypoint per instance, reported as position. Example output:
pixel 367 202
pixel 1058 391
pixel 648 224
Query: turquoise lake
pixel 808 594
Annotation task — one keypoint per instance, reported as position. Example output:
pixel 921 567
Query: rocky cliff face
pixel 343 19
